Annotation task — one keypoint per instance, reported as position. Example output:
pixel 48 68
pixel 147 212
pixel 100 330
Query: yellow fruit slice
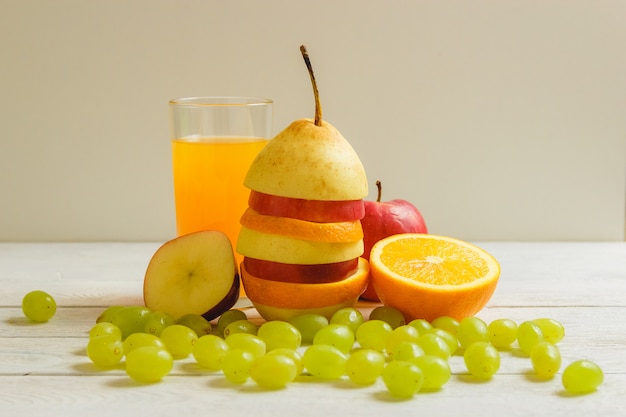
pixel 428 276
pixel 302 229
pixel 276 248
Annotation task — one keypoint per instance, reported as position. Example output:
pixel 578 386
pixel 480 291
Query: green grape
pixel 179 340
pixel 582 377
pixel 472 329
pixel 349 316
pixel 149 364
pixel 403 379
pixel 236 365
pixel 105 328
pixel 337 335
pixel 449 338
pixel 324 361
pixel 308 325
pixel 108 314
pixel 197 323
pixel 553 330
pixel 405 351
pixel 373 334
pixel 391 315
pixel 240 326
pixel 404 333
pixel 436 371
pixel 447 323
pixel 280 334
pixel 546 359
pixel 273 371
pixel 209 351
pixel 482 360
pixel 157 321
pixel 105 351
pixel 39 306
pixel 248 342
pixel 364 366
pixel 422 326
pixel 131 319
pixel 293 354
pixel 137 340
pixel 528 335
pixel 228 317
pixel 432 344
pixel 502 333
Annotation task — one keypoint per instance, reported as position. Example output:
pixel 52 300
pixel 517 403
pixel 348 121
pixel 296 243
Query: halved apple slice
pixel 193 274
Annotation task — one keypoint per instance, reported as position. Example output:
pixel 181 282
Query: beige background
pixel 500 120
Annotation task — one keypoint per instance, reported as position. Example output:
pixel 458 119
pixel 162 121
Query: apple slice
pixel 193 274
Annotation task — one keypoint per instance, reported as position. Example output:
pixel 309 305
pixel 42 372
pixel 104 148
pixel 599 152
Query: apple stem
pixel 379 185
pixel 318 106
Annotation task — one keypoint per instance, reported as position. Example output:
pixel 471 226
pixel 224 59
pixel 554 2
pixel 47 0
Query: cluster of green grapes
pixel 408 357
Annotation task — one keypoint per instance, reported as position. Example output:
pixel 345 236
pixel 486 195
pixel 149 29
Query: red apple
pixel 304 274
pixel 383 219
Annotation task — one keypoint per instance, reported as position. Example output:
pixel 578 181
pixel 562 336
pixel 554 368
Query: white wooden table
pixel 44 370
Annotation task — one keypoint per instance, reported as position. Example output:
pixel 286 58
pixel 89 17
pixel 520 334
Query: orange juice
pixel 208 183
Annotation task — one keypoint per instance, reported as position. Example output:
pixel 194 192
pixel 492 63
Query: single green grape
pixel 447 323
pixel 137 340
pixel 105 328
pixel 240 326
pixel 528 335
pixel 157 321
pixel 273 371
pixel 131 319
pixel 279 334
pixel 582 377
pixel 404 333
pixel 546 359
pixel 236 365
pixel 39 306
pixel 179 340
pixel 449 338
pixel 405 351
pixel 502 333
pixel 209 351
pixel 391 315
pixel 248 342
pixel 349 316
pixel 324 361
pixel 432 344
pixel 373 334
pixel 108 314
pixel 436 371
pixel 105 351
pixel 422 326
pixel 403 379
pixel 149 364
pixel 337 335
pixel 197 323
pixel 293 354
pixel 308 325
pixel 228 317
pixel 364 366
pixel 553 330
pixel 471 330
pixel 482 360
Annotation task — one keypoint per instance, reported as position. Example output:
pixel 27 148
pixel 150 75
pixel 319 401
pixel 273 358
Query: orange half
pixel 428 276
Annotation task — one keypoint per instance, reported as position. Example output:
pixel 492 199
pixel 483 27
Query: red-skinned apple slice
pixel 194 273
pixel 305 274
pixel 310 210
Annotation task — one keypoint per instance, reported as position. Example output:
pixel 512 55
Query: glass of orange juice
pixel 214 141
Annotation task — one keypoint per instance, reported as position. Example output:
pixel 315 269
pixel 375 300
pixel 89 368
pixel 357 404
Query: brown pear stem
pixel 379 185
pixel 318 106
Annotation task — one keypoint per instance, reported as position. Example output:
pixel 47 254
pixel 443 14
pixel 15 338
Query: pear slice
pixel 193 274
pixel 309 160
